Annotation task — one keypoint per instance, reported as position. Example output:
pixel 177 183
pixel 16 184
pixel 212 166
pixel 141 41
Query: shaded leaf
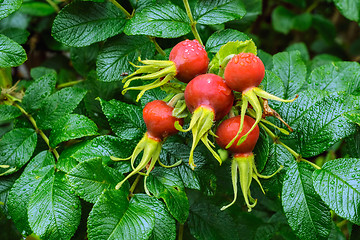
pixel 8 112
pixel 16 149
pixel 219 38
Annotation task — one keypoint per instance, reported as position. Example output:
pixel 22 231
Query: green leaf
pixel 6 184
pixel 307 214
pixel 273 84
pixel 125 119
pixel 151 95
pixel 11 53
pixel 8 112
pixel 323 59
pixel 58 105
pixel 66 162
pixel 115 57
pixel 229 49
pixel 54 211
pixel 37 169
pixel 16 148
pixel 353 117
pixel 349 8
pixel 104 147
pixel 84 59
pixel 302 22
pixel 39 9
pixel 159 20
pixel 219 38
pixel 336 76
pixel 325 27
pixel 91 177
pixel 206 221
pixel 278 156
pixel 80 24
pixel 282 19
pixel 301 47
pixel 72 126
pixel 165 224
pixel 40 89
pixel 166 184
pixel 266 58
pixel 38 72
pixel 9 6
pixel 113 217
pixel 290 67
pixel 18 35
pixel 338 184
pixel 261 150
pixel 210 12
pixel 324 118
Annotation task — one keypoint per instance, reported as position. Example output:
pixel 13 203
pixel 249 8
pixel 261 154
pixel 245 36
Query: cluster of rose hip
pixel 210 99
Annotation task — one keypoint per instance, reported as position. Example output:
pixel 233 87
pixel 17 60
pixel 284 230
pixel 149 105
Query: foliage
pixel 63 119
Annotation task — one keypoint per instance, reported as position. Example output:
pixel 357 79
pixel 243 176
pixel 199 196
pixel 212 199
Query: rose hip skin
pixel 244 71
pixel 190 59
pixel 228 129
pixel 159 120
pixel 209 90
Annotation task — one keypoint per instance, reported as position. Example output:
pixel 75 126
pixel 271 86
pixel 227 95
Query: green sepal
pixel 230 48
pixel 201 122
pixel 245 165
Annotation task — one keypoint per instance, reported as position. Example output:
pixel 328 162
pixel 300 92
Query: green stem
pixel 157 46
pixel 128 15
pixel 311 163
pixel 54 5
pixel 276 140
pixel 181 231
pixel 133 186
pixel 39 131
pixel 192 22
pixel 312 6
pixel 69 84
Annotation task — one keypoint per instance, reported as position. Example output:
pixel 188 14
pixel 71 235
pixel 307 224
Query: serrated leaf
pixel 307 214
pixel 273 84
pixel 325 123
pixel 16 148
pixel 9 6
pixel 19 197
pixel 114 217
pixel 336 76
pixel 40 89
pixel 80 24
pixel 338 184
pixel 219 38
pixel 125 119
pixel 8 112
pixel 6 184
pixel 167 185
pixel 353 117
pixel 349 8
pixel 291 69
pixel 151 95
pixel 323 59
pixel 11 53
pixel 165 224
pixel 159 20
pixel 58 105
pixel 115 57
pixel 301 47
pixel 210 12
pixel 66 162
pixel 206 221
pixel 228 49
pixel 84 59
pixel 91 177
pixel 54 211
pixel 38 72
pixel 72 126
pixel 18 35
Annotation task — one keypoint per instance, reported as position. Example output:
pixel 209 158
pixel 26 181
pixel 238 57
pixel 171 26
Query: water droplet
pixel 332 182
